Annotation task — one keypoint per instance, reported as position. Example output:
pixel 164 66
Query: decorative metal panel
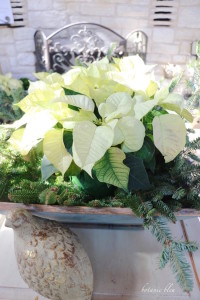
pixel 83 43
pixel 78 43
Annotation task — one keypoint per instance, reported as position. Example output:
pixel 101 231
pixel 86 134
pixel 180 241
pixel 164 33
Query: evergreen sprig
pixel 172 252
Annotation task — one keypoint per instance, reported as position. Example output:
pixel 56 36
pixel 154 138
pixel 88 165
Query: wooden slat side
pixel 8 206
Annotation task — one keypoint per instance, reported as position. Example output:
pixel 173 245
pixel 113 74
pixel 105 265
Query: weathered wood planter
pixel 77 215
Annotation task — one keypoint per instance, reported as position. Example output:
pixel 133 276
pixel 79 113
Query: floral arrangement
pixel 96 118
pixel 106 135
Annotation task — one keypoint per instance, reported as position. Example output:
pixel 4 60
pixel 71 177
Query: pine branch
pixel 175 81
pixel 172 250
pixel 185 246
pixel 164 209
pixel 181 269
pixel 164 258
pixel 173 253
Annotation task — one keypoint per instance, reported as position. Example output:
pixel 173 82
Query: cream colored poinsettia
pixel 95 117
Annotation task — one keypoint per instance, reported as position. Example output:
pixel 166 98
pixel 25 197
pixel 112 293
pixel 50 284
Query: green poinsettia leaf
pixel 110 169
pixel 169 134
pixel 138 178
pixel 90 144
pixel 73 170
pixel 151 165
pixel 70 92
pixel 55 151
pixel 47 169
pixel 68 140
pixel 147 151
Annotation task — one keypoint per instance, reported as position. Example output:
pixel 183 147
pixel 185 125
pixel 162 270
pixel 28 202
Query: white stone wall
pixel 165 44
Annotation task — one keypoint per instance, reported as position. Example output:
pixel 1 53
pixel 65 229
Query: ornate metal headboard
pixel 83 42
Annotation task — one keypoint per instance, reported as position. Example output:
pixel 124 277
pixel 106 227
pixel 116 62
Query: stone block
pixel 148 32
pixel 40 4
pixel 134 2
pixel 7 50
pixel 163 34
pixel 187 34
pixel 132 10
pixel 25 46
pixel 128 24
pixel 47 19
pixel 159 58
pixel 13 61
pixel 69 8
pixel 165 48
pixel 78 18
pixel 5 65
pixel 185 48
pixel 189 2
pixel 26 59
pixel 24 33
pixel 189 17
pixel 99 9
pixel 6 36
pixel 180 59
pixel 21 70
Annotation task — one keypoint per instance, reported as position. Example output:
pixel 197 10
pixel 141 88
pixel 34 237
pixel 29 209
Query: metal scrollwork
pixel 86 40
pixel 76 43
pixel 61 57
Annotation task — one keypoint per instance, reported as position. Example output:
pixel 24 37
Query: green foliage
pixel 11 92
pixel 110 169
pixel 91 186
pixel 49 196
pixel 138 177
pixel 186 175
pixel 175 81
pixel 172 250
pixel 193 84
pixel 27 192
pixel 25 82
pixel 13 168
